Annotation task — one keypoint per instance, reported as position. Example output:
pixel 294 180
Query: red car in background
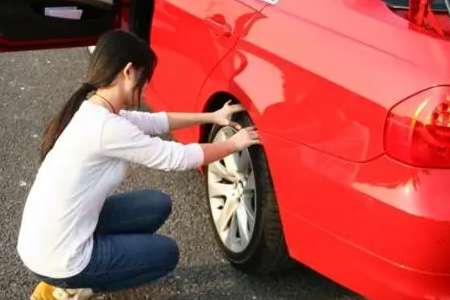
pixel 352 100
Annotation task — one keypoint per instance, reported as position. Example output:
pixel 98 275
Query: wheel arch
pixel 213 103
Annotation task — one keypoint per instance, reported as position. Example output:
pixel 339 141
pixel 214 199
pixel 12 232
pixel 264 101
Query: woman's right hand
pixel 245 138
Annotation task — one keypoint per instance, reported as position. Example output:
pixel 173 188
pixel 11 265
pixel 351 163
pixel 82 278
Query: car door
pixel 190 38
pixel 43 24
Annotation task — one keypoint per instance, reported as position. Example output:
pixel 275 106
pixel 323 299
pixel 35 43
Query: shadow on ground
pixel 221 281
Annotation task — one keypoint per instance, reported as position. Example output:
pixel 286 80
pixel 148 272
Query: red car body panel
pixel 319 89
pixel 377 228
pixel 190 41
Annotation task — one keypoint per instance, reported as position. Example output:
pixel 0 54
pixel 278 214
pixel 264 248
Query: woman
pixel 75 237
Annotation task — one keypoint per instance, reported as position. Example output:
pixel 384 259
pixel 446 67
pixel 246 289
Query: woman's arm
pixel 184 120
pixel 220 117
pixel 122 139
pixel 149 123
pixel 162 123
pixel 241 140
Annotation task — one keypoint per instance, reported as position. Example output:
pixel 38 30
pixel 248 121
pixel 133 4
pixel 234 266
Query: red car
pixel 352 100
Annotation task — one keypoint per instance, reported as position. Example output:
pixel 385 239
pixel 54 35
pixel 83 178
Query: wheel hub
pixel 240 189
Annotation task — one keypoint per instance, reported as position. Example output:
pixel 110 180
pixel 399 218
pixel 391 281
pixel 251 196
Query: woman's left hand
pixel 222 117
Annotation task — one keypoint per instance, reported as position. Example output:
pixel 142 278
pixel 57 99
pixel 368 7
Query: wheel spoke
pixel 250 186
pixel 220 171
pixel 227 213
pixel 221 136
pixel 244 166
pixel 247 203
pixel 216 207
pixel 242 221
pixel 232 231
pixel 231 163
pixel 217 189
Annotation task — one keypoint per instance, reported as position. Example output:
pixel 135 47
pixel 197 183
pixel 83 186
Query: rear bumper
pixel 380 228
pixel 358 269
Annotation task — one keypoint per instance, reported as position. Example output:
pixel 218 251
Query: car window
pixel 404 4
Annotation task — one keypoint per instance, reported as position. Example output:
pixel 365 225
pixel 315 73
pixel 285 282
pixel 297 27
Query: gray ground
pixel 32 87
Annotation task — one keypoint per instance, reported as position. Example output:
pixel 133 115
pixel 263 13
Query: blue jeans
pixel 127 252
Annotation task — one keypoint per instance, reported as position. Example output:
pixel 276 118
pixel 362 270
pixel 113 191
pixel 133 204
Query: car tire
pixel 266 251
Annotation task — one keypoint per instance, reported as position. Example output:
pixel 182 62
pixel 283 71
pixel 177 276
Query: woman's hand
pixel 245 138
pixel 241 140
pixel 222 117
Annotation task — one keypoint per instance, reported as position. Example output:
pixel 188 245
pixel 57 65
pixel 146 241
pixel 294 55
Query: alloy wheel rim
pixel 232 196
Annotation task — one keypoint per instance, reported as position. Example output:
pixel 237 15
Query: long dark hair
pixel 114 51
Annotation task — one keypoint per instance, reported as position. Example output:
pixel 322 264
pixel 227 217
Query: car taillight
pixel 418 129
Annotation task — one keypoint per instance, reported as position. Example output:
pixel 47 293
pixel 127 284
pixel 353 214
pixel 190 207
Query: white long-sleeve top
pixel 86 164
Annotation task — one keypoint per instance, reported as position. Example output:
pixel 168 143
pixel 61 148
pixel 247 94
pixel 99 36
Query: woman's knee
pixel 161 200
pixel 171 253
pixel 175 256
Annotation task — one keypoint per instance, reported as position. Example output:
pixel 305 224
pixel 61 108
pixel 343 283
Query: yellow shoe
pixel 44 291
pixel 72 294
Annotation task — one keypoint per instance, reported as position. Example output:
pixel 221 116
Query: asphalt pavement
pixel 33 85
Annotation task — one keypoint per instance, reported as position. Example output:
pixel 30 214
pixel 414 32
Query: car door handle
pixel 219 26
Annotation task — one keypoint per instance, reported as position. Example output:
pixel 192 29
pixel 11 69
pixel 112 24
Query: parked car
pixel 352 100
